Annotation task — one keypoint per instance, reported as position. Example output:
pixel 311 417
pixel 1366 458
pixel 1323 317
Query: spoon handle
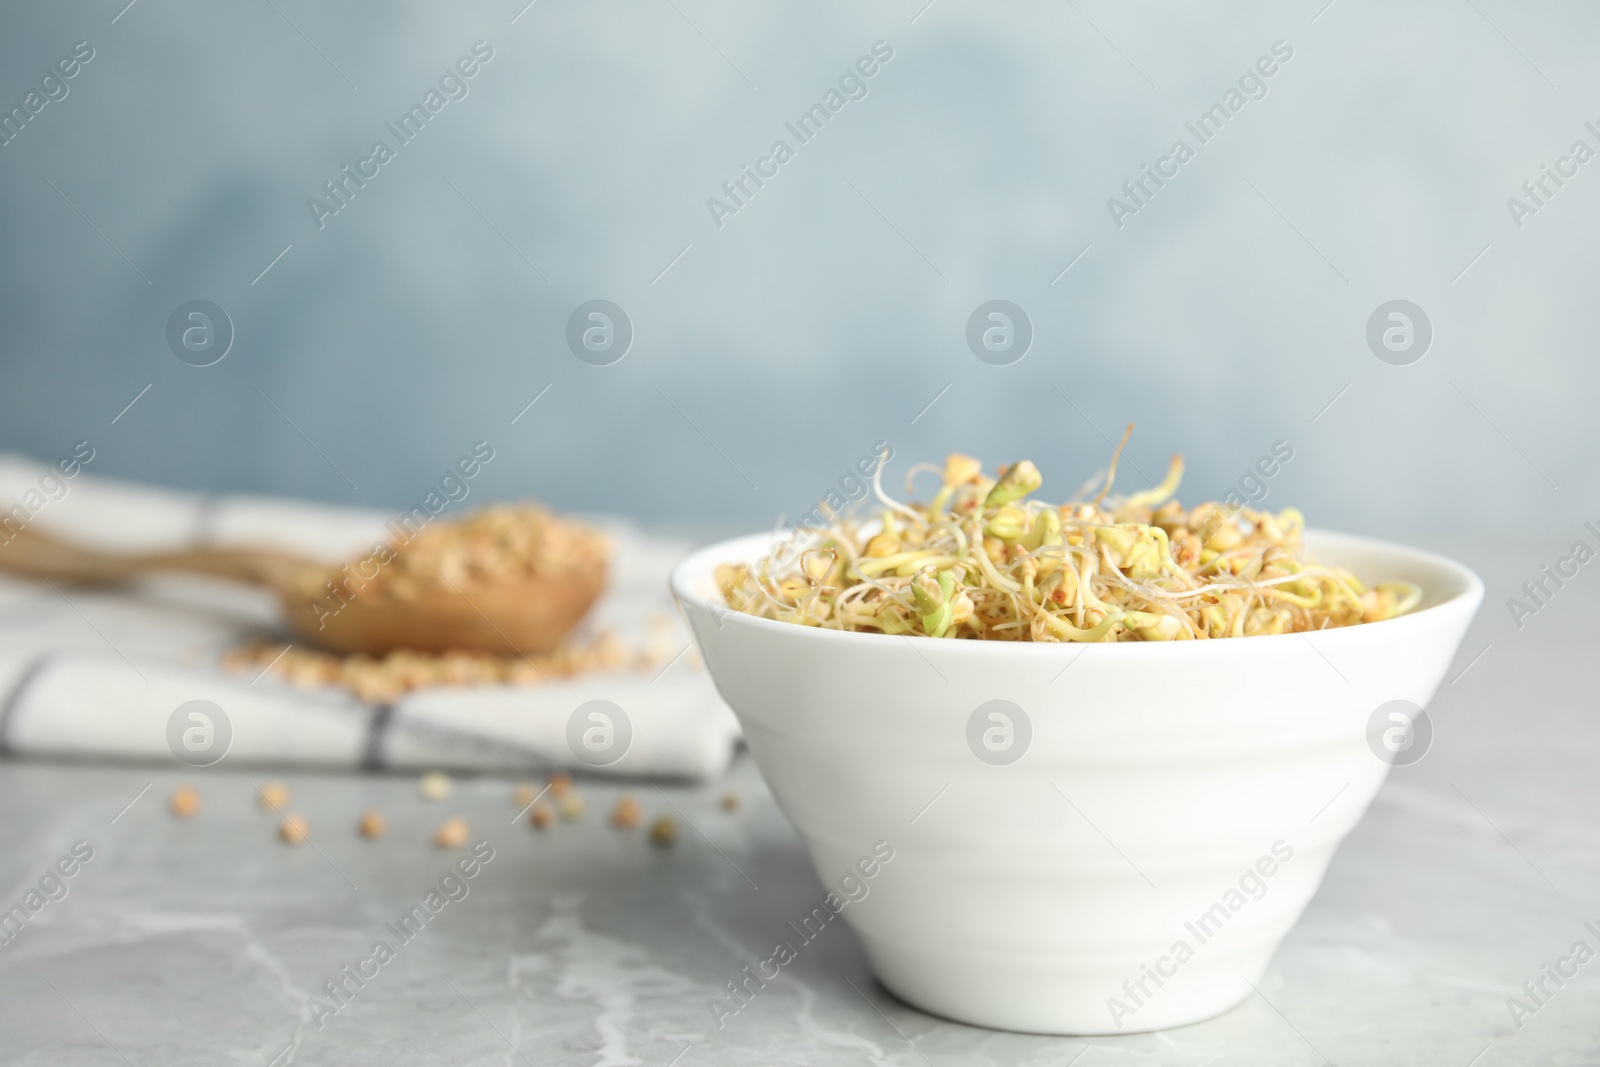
pixel 38 555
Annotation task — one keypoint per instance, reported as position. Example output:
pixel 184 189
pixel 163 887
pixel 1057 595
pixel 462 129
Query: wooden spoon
pixel 518 617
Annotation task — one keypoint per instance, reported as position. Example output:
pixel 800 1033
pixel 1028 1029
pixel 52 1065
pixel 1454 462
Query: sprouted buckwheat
pixel 983 561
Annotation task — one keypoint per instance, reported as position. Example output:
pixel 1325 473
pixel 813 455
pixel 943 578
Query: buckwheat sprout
pixel 877 491
pixel 984 561
pixel 911 474
pixel 1157 495
pixel 962 550
pixel 1111 472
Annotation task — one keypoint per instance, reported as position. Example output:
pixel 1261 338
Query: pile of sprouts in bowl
pixel 983 561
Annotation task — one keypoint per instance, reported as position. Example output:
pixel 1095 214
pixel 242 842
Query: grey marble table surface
pixel 205 940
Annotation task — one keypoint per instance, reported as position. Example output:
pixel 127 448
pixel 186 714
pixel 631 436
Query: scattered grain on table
pixel 627 814
pixel 452 833
pixel 272 796
pixel 185 801
pixel 294 830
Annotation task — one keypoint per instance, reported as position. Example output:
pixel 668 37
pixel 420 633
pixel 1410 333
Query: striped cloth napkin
pixel 121 674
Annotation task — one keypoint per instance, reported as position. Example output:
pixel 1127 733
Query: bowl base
pixel 1071 1004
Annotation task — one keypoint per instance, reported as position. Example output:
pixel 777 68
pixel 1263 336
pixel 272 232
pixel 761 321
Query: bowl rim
pixel 1470 595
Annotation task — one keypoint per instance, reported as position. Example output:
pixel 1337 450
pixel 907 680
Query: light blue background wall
pixel 826 314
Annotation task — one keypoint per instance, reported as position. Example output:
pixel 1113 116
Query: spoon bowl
pixel 520 617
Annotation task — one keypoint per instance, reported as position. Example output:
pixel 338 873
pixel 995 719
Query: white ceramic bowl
pixel 1165 825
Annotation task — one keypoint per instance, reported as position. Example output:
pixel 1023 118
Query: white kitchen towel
pixel 112 673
